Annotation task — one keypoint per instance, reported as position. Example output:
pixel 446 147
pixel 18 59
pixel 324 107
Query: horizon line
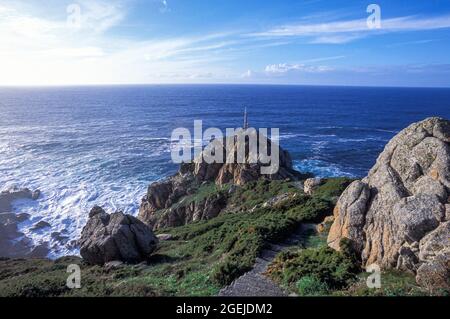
pixel 215 83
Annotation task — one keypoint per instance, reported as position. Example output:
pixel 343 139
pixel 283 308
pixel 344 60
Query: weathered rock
pixel 158 207
pixel 40 225
pixel 349 216
pixel 401 203
pixel 164 237
pixel 184 213
pixel 113 237
pixel 39 251
pixel 35 194
pixel 241 171
pixel 279 200
pixel 311 185
pixel 96 210
pixel 435 274
pixel 325 224
pixel 447 211
pixel 59 237
pixel 435 242
pixel 115 264
pixel 9 247
pixel 7 197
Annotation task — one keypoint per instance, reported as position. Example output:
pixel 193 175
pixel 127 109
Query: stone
pixel 10 246
pixel 447 211
pixel 325 225
pixel 35 194
pixel 396 216
pixel 349 216
pixel 39 251
pixel 164 237
pixel 311 184
pixel 40 225
pixel 434 242
pixel 59 237
pixel 96 210
pixel 279 200
pixel 115 264
pixel 163 204
pixel 7 197
pixel 117 236
pixel 435 274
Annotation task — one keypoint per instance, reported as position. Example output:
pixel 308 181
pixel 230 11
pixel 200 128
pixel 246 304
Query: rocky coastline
pixel 209 223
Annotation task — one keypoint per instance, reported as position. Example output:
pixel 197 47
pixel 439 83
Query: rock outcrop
pixel 115 237
pixel 163 205
pixel 7 197
pixel 13 243
pixel 397 216
pixel 311 185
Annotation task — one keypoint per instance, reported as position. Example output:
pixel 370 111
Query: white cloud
pixel 100 15
pixel 286 67
pixel 247 74
pixel 37 50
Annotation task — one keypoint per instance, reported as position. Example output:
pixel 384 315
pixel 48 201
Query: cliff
pixel 200 190
pixel 399 215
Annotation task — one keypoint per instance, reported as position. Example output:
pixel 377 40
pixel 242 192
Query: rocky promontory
pixel 399 215
pixel 169 203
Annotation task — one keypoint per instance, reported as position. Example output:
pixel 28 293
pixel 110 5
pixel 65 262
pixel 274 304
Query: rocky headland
pixel 211 227
pixel 170 203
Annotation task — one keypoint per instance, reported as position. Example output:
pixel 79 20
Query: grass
pixel 202 257
pixel 393 283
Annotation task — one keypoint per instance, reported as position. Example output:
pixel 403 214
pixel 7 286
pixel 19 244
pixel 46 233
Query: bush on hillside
pixel 325 264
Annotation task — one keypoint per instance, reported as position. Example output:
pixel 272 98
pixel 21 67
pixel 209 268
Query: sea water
pixel 103 145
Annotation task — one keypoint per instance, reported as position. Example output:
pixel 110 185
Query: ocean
pixel 104 145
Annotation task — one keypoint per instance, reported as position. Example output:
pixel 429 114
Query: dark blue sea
pixel 103 145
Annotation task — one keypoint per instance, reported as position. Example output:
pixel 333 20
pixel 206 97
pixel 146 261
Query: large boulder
pixel 163 205
pixel 115 237
pixel 396 216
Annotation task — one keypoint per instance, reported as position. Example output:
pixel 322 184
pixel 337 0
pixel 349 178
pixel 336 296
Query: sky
pixel 307 42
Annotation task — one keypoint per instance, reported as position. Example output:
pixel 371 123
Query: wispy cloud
pixel 348 30
pixel 399 44
pixel 286 67
pixel 33 45
pixel 100 15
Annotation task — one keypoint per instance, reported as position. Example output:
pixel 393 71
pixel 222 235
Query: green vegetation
pixel 202 257
pixel 202 192
pixel 235 239
pixel 322 267
pixel 393 283
pixel 311 286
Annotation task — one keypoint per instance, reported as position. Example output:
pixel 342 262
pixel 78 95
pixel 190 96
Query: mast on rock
pixel 245 119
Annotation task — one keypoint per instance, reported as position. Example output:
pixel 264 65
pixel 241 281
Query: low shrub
pixel 311 286
pixel 325 264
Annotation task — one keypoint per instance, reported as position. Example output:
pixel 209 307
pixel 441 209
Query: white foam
pixel 321 168
pixel 71 183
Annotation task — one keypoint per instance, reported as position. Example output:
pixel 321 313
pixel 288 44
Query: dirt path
pixel 254 282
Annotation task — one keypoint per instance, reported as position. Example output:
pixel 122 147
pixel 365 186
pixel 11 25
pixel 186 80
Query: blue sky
pixel 311 42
